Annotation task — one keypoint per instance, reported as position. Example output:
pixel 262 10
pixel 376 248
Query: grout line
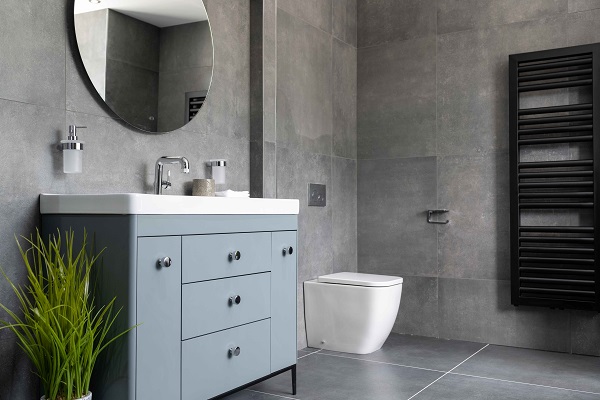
pixel 427 386
pixel 523 383
pixel 271 394
pixel 468 358
pixel 380 362
pixel 465 360
pixel 306 355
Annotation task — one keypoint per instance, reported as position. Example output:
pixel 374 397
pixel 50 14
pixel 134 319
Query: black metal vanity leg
pixel 294 380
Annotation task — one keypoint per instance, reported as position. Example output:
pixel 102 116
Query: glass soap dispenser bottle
pixel 72 149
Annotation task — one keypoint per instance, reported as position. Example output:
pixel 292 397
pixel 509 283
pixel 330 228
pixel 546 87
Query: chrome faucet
pixel 159 183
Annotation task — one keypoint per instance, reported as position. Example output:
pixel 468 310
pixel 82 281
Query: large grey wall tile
pixel 475 242
pixel 18 382
pixel 585 332
pixel 343 203
pixel 418 314
pixel 295 170
pixel 393 235
pixel 583 5
pixel 344 21
pixel 381 21
pixel 30 165
pixel 460 15
pixel 33 164
pixel 256 169
pixel 304 79
pixel 344 100
pixel 20 217
pixel 226 111
pixel 270 70
pixel 473 82
pixel 397 99
pixel 32 39
pixel 584 28
pixel 480 311
pixel 269 170
pixel 315 12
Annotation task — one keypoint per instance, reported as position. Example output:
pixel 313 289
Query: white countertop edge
pixel 150 204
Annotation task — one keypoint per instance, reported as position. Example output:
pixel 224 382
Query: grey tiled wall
pixel 433 133
pixel 316 129
pixel 42 91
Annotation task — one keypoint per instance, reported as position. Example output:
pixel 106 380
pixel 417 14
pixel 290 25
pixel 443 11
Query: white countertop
pixel 151 204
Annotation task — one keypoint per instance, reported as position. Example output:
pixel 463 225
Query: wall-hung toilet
pixel 351 312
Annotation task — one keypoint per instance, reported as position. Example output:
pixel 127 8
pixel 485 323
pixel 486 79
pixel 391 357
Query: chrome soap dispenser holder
pixel 72 149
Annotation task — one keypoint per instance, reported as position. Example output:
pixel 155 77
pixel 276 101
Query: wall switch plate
pixel 317 195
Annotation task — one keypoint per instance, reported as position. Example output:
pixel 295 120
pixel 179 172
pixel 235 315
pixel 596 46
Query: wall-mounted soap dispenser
pixel 218 170
pixel 72 149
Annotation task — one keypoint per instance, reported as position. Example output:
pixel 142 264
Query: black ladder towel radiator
pixel 554 171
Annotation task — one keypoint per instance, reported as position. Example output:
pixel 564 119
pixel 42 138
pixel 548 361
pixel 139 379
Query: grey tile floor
pixel 412 367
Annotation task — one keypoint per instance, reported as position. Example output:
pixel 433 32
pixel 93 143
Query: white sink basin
pixel 134 203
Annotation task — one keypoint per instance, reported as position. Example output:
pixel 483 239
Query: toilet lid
pixel 358 279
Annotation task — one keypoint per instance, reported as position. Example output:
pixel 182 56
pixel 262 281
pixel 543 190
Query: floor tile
pixel 536 367
pixel 253 395
pixel 421 352
pixel 306 351
pixel 323 377
pixel 452 387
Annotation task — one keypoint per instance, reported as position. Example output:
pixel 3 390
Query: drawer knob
pixel 288 250
pixel 235 256
pixel 165 262
pixel 234 351
pixel 235 300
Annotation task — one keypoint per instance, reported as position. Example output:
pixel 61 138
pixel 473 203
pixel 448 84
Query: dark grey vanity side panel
pixel 169 225
pixel 115 376
pixel 283 300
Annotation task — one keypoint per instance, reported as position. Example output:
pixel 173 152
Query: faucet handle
pixel 167 184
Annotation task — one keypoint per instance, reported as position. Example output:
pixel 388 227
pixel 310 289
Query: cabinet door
pixel 158 312
pixel 283 300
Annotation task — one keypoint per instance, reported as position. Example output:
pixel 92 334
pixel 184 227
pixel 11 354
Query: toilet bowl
pixel 351 312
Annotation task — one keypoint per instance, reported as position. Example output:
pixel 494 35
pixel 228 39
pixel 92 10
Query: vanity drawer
pixel 207 369
pixel 220 304
pixel 219 256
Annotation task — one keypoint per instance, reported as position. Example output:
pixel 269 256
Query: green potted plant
pixel 59 327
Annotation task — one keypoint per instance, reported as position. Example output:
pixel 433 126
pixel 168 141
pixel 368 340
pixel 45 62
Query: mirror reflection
pixel 150 60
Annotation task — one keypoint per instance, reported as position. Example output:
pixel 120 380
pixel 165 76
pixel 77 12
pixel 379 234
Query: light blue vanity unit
pixel 211 281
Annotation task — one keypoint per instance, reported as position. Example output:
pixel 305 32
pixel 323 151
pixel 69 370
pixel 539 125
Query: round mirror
pixel 150 60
